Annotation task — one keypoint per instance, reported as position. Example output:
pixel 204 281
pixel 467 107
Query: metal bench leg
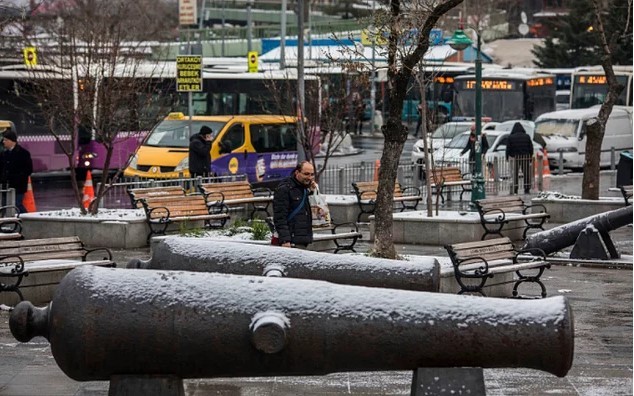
pixel 14 287
pixel 531 279
pixel 349 246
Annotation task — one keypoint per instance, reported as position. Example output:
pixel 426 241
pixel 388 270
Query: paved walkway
pixel 601 299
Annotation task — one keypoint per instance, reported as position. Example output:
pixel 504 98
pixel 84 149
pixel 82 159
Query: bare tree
pixel 401 65
pixel 596 126
pixel 91 57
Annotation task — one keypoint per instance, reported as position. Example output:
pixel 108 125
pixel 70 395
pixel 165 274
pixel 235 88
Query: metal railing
pixel 338 180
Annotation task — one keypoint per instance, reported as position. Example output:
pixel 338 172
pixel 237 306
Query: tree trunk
pixel 392 149
pixel 595 130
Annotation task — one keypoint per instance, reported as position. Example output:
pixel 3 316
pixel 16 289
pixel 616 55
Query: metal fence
pixel 338 180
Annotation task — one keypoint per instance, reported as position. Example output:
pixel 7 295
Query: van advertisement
pixel 258 167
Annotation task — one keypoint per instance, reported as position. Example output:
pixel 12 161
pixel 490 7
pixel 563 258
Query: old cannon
pixel 195 254
pixel 121 324
pixel 558 238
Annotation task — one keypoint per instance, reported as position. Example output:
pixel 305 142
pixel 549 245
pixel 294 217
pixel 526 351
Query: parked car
pixel 442 135
pixel 450 154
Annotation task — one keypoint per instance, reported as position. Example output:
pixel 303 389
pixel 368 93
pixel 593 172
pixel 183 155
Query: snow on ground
pixel 103 214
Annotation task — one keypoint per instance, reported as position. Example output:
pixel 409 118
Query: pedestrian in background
pixel 292 216
pixel 520 148
pixel 471 147
pixel 15 167
pixel 200 152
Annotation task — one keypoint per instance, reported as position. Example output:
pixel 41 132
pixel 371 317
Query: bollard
pixel 203 255
pixel 108 322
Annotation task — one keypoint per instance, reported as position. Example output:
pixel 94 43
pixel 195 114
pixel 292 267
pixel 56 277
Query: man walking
pixel 15 167
pixel 520 148
pixel 292 216
pixel 200 152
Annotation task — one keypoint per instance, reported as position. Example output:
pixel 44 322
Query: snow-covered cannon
pixel 557 238
pixel 104 323
pixel 200 255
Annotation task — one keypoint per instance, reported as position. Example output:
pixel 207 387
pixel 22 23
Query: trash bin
pixel 624 169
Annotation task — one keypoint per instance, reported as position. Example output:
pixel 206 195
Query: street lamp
pixel 459 41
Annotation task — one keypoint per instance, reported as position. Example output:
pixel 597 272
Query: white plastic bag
pixel 319 209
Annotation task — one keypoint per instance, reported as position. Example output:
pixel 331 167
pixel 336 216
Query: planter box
pixel 563 210
pixel 448 227
pixel 126 230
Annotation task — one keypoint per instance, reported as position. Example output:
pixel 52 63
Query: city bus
pixel 224 93
pixel 590 86
pixel 506 95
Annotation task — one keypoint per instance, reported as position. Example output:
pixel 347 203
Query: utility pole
pixel 283 36
pixel 301 156
pixel 249 29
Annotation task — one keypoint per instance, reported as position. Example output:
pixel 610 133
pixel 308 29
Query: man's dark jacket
pixel 519 143
pixel 288 196
pixel 199 155
pixel 15 168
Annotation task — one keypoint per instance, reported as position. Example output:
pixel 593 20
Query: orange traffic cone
pixel 29 200
pixel 89 192
pixel 546 167
pixel 377 166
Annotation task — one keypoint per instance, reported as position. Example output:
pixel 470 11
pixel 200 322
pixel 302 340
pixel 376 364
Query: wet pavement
pixel 601 299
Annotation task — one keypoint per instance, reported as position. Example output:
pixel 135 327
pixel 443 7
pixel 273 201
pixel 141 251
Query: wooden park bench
pixel 237 193
pixel 160 212
pixel 37 257
pixel 343 240
pixel 366 192
pixel 627 194
pixel 496 213
pixel 444 178
pixel 475 263
pixel 137 194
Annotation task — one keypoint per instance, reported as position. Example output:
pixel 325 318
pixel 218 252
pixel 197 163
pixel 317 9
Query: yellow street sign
pixel 189 73
pixel 30 56
pixel 252 59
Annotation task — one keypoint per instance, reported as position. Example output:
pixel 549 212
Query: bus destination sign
pixel 189 73
pixel 540 82
pixel 593 80
pixel 494 85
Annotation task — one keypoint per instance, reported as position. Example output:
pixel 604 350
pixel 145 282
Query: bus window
pixel 232 139
pixel 288 137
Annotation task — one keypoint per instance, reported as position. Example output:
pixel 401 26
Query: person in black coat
pixel 520 148
pixel 470 147
pixel 294 226
pixel 200 152
pixel 15 167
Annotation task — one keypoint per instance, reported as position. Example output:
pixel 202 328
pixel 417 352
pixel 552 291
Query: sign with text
pixel 187 12
pixel 189 73
pixel 30 56
pixel 252 60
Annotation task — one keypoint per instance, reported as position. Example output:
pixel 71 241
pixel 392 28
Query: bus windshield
pixel 176 133
pixel 499 105
pixel 565 128
pixel 589 91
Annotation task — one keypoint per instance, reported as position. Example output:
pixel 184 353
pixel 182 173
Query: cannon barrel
pixel 107 321
pixel 557 238
pixel 200 255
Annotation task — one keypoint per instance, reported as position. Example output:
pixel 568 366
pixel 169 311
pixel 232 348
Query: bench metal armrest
pixel 353 227
pixel 416 191
pixel 162 219
pixel 218 208
pixel 262 192
pixel 101 249
pixel 501 217
pixel 18 265
pixel 540 206
pixel 362 193
pixel 536 252
pixel 477 272
pixel 3 210
pixel 15 225
pixel 219 201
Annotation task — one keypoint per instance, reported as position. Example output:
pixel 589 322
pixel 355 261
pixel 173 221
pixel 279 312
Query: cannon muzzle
pixel 199 255
pixel 107 322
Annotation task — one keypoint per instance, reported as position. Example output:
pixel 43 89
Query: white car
pixel 441 136
pixel 450 154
